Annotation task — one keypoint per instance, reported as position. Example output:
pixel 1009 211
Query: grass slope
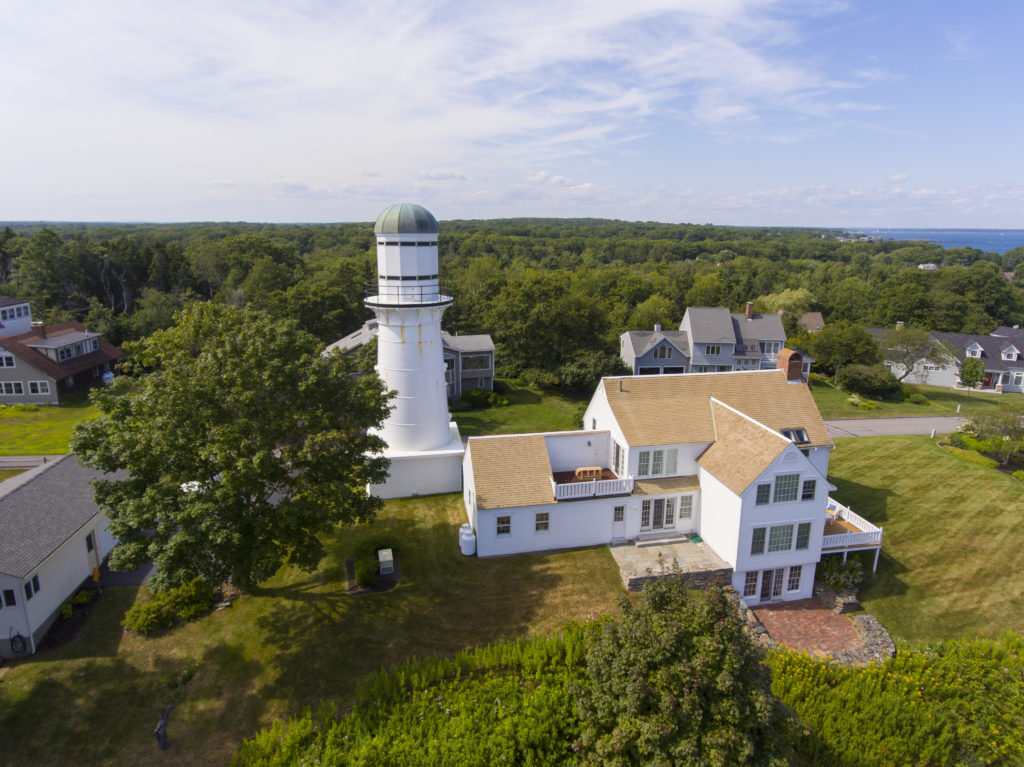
pixel 532 410
pixel 301 639
pixel 950 565
pixel 42 429
pixel 832 403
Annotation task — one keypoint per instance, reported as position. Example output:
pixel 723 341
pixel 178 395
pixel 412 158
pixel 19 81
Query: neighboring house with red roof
pixel 42 365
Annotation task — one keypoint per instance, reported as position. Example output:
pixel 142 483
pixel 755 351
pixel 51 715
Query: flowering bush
pixel 840 576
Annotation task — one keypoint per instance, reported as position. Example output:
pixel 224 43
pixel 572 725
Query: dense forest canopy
pixel 554 293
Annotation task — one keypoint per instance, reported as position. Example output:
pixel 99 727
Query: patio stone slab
pixel 697 561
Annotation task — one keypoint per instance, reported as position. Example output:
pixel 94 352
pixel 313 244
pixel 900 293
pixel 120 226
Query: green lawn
pixel 532 410
pixel 832 403
pixel 42 429
pixel 8 473
pixel 950 564
pixel 300 640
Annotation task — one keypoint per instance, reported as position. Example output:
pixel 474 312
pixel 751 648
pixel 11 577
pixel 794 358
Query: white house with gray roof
pixel 52 535
pixel 710 339
pixel 739 459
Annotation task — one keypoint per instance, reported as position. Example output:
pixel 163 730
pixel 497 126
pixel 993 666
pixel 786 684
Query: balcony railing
pixel 569 491
pixel 864 535
pixel 433 292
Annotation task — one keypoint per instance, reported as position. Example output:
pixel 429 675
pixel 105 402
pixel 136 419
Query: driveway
pixel 887 427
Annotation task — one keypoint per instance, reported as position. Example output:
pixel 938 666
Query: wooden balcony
pixel 847 531
pixel 567 486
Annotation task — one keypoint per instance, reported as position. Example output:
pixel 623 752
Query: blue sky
pixel 750 112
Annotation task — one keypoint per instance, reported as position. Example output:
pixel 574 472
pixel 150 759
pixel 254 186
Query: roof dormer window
pixel 974 351
pixel 798 436
pixel 1011 354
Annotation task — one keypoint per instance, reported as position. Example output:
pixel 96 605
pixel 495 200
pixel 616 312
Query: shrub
pixel 1018 475
pixel 867 404
pixel 366 572
pixel 190 600
pixel 918 399
pixel 83 597
pixel 501 386
pixel 972 456
pixel 480 398
pixel 147 617
pixel 66 610
pixel 840 576
pixel 870 380
pixel 819 378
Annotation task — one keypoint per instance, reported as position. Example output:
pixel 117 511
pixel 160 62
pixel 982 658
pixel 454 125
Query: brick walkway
pixel 808 625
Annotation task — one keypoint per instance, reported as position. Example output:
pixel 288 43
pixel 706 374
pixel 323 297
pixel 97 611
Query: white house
pixel 740 459
pixel 52 534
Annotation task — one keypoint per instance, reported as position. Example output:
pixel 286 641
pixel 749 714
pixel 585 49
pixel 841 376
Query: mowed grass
pixel 532 410
pixel 42 429
pixel 8 473
pixel 299 640
pixel 951 551
pixel 832 403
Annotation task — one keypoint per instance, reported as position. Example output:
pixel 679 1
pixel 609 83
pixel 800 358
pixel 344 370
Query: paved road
pixel 884 427
pixel 24 461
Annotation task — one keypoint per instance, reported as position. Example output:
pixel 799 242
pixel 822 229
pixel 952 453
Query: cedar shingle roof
pixel 665 410
pixel 40 510
pixel 18 345
pixel 742 449
pixel 511 471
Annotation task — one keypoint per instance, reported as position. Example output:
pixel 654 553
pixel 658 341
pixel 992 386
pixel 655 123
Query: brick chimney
pixel 39 329
pixel 750 310
pixel 792 362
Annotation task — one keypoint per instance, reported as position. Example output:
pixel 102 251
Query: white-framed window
pixel 700 368
pixel 764 494
pixel 712 350
pixel 770 347
pixel 803 535
pixel 670 512
pixel 32 587
pixel 503 525
pixel 750 584
pixel 686 507
pixel 540 522
pixel 786 486
pixel 618 459
pixel 645 514
pixel 780 538
pixel 38 387
pixel 671 460
pixel 94 344
pixel 643 467
pixel 619 514
pixel 1018 379
pixel 12 388
pixel 974 352
pixel 757 541
pixel 663 352
pixel 794 578
pixel 476 361
pixel 657 462
pixel 808 490
pixel 6 360
pixel 799 436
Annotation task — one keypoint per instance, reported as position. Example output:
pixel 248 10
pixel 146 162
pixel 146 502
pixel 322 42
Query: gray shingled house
pixel 710 339
pixel 52 535
pixel 469 359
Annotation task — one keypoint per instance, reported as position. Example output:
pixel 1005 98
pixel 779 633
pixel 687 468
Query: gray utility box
pixel 386 561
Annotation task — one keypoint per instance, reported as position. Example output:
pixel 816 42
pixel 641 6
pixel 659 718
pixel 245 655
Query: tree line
pixel 555 294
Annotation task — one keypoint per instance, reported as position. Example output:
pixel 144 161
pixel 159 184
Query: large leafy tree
pixel 678 681
pixel 843 343
pixel 239 443
pixel 972 373
pixel 910 348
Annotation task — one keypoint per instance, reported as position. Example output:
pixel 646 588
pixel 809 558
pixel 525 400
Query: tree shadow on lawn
pixel 326 641
pixel 872 503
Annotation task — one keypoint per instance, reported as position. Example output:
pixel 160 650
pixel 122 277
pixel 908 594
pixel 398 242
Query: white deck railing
pixel 571 490
pixel 869 534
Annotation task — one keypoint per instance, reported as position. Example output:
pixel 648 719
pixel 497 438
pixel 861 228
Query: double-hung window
pixel 541 521
pixel 686 507
pixel 780 538
pixel 657 462
pixel 808 490
pixel 712 350
pixel 803 535
pixel 785 487
pixel 764 494
pixel 38 387
pixel 6 360
pixel 504 525
pixel 670 512
pixel 12 387
pixel 671 459
pixel 750 584
pixel 757 541
pixel 794 578
pixel 645 514
pixel 643 467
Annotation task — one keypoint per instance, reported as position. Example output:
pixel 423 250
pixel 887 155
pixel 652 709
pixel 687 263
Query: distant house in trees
pixel 812 322
pixel 52 534
pixel 469 359
pixel 47 362
pixel 15 316
pixel 1001 351
pixel 709 340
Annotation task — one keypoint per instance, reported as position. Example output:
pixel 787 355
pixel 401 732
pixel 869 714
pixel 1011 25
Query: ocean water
pixel 991 240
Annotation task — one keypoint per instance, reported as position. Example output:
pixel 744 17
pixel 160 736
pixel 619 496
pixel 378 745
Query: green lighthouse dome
pixel 406 218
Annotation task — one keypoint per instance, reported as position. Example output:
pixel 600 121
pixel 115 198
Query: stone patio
pixel 697 561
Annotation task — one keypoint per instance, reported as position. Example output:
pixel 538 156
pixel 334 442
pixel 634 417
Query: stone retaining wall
pixel 694 580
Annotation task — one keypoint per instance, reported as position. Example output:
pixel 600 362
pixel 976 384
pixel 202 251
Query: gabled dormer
pixel 1011 353
pixel 974 350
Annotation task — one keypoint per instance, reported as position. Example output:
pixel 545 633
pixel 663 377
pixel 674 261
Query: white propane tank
pixel 467 540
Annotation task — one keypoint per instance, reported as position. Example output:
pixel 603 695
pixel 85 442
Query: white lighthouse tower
pixel 424 445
